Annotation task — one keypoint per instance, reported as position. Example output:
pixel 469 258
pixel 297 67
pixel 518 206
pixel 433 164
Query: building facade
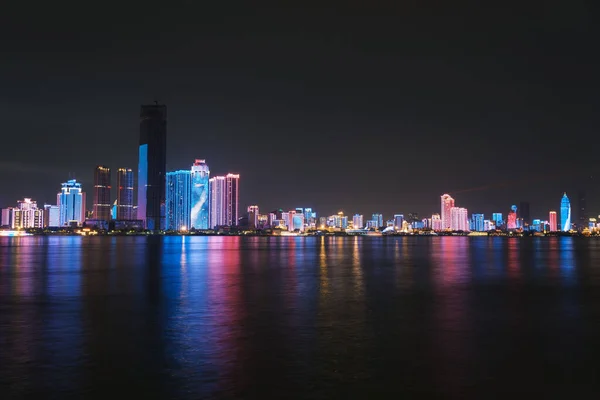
pixel 459 219
pixel 217 204
pixel 478 223
pixel 253 214
pixel 102 203
pixel 71 203
pixel 178 200
pixel 552 221
pixel 232 187
pixel 200 195
pixel 447 203
pixel 357 221
pixel 152 165
pixel 51 216
pixel 125 195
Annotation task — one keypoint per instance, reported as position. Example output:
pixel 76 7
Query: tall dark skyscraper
pixel 523 212
pixel 582 217
pixel 125 194
pixel 152 166
pixel 102 193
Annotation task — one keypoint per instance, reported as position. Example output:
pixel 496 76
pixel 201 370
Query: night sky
pixel 349 108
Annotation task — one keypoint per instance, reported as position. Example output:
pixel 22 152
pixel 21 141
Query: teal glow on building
pixel 178 200
pixel 565 214
pixel 200 195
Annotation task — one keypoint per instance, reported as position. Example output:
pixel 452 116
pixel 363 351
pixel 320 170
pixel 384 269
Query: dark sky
pixel 358 108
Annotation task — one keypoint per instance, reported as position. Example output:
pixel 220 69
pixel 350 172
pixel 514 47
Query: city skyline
pixel 369 95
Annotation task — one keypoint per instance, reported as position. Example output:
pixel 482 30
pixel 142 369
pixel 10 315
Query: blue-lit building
pixel 497 218
pixel 71 203
pixel 178 200
pixel 199 215
pixel 565 214
pixel 537 225
pixel 378 218
pixel 477 224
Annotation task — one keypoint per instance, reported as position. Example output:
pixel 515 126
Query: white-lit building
pixel 357 221
pixel 459 219
pixel 436 222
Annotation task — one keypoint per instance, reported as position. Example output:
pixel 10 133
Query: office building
pixel 477 223
pixel 436 222
pixel 511 219
pixel 152 166
pixel 51 216
pixel 102 203
pixel 378 219
pixel 25 215
pixel 8 217
pixel 71 203
pixel 253 216
pixel 232 184
pixel 487 225
pixel 357 221
pixel 497 218
pixel 447 203
pixel 178 200
pixel 398 220
pixel 565 214
pixel 217 204
pixel 200 195
pixel 552 221
pixel 125 195
pixel 459 219
pixel 523 213
pixel 297 221
pixel 582 217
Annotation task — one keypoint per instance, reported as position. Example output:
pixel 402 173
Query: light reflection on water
pixel 290 317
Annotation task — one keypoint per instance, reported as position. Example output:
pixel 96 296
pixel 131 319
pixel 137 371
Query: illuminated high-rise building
pixel 459 219
pixel 27 215
pixel 357 221
pixel 200 195
pixel 101 205
pixel 152 166
pixel 447 203
pixel 552 221
pixel 217 204
pixel 253 214
pixel 582 218
pixel 125 194
pixel 178 200
pixel 71 201
pixel 51 216
pixel 297 221
pixel 477 223
pixel 511 219
pixel 378 218
pixel 8 217
pixel 232 184
pixel 497 218
pixel 565 214
pixel 436 222
pixel 523 213
pixel 486 225
pixel 398 220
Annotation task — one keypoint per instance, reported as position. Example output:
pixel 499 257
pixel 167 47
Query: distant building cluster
pixel 192 199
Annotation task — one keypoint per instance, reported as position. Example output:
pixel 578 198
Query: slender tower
pixel 102 193
pixel 152 166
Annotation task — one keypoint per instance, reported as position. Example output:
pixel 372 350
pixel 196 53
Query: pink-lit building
pixel 511 220
pixel 552 221
pixel 459 219
pixel 447 203
pixel 436 222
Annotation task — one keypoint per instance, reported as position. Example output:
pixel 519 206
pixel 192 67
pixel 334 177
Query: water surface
pixel 287 318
